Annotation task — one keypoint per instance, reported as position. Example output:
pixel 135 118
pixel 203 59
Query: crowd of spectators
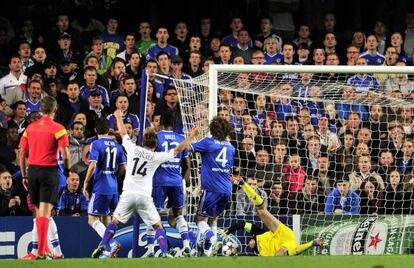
pixel 302 156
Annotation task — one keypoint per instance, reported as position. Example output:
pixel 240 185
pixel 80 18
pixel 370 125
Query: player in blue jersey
pixel 217 155
pixel 168 183
pixel 162 45
pixel 372 55
pixel 105 160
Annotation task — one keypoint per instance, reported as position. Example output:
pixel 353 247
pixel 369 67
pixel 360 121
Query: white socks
pixel 99 227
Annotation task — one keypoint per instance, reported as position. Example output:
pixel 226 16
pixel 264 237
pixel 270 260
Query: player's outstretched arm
pixel 186 143
pixel 120 123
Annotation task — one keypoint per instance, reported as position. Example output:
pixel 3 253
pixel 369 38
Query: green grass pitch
pixel 404 261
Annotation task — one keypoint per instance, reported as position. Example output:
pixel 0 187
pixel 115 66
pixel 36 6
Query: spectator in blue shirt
pixel 342 200
pixel 72 202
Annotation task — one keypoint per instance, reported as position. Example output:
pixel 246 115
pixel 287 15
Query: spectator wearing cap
pixel 65 51
pixel 113 42
pixel 90 75
pixel 303 54
pixel 94 109
pixel 62 25
pixel 66 72
pixel 129 44
pixel 342 200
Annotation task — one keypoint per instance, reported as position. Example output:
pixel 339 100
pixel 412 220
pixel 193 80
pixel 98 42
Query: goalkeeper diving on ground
pixel 279 240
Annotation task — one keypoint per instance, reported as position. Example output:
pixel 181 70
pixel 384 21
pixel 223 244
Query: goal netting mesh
pixel 335 148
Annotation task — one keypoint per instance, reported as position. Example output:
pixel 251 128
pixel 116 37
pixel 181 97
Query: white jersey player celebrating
pixel 136 193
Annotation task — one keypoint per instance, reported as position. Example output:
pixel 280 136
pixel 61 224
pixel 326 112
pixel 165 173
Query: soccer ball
pixel 229 249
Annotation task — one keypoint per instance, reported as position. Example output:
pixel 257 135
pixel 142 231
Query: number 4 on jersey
pixel 222 157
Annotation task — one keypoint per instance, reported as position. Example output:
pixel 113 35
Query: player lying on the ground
pixel 136 193
pixel 279 240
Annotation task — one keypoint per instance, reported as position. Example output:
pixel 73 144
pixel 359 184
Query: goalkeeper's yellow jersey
pixel 269 242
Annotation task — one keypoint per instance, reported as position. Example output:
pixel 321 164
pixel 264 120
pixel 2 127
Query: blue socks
pixel 162 240
pixel 109 233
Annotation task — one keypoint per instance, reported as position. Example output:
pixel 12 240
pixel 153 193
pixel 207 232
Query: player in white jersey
pixel 136 193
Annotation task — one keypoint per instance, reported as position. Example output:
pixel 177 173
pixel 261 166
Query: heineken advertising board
pixel 359 235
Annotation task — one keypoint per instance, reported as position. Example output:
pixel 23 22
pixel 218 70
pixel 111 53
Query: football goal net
pixel 332 145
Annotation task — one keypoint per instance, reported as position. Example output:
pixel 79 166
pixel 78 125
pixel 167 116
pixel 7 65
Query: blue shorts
pixel 102 204
pixel 212 204
pixel 175 196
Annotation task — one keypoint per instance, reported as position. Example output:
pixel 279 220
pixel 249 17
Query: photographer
pixel 10 202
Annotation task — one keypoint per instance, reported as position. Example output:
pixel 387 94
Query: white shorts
pixel 129 203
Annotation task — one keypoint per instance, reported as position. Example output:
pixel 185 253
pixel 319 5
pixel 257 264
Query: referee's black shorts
pixel 43 184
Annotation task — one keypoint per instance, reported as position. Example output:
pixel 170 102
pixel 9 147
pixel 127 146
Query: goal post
pixel 301 138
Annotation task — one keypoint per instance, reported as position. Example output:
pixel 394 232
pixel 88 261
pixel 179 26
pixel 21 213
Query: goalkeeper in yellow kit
pixel 279 240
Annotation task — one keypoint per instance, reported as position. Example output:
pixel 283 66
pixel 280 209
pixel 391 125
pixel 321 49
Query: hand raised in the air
pixel 194 132
pixel 118 113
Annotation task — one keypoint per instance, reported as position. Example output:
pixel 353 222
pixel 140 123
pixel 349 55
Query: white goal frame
pixel 214 69
pixel 249 68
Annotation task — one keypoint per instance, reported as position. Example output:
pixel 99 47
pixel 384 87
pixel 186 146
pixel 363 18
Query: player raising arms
pixel 217 156
pixel 168 183
pixel 136 196
pixel 279 240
